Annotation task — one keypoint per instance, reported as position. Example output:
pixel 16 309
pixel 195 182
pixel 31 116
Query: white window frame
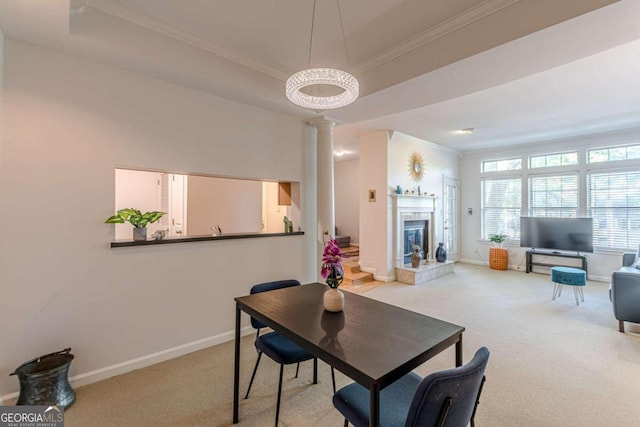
pixel 508 159
pixel 546 155
pixel 631 243
pixel 583 169
pixel 609 148
pixel 512 233
pixel 530 209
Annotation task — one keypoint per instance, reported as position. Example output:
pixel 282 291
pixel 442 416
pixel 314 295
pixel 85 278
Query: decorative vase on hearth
pixel 441 253
pixel 415 257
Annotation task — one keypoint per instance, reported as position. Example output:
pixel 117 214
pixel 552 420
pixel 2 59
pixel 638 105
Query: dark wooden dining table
pixel 372 342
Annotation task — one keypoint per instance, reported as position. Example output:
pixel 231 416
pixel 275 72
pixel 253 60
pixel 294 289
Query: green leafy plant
pixel 497 238
pixel 135 217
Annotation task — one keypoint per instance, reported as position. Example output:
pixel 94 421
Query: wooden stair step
pixel 351 265
pixel 350 251
pixel 357 278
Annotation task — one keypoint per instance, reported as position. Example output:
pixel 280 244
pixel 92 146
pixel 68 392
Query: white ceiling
pixel 519 71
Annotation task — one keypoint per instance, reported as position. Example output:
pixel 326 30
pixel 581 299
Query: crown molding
pixel 469 16
pixel 118 11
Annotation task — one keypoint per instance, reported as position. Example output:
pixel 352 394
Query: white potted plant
pixel 498 239
pixel 137 219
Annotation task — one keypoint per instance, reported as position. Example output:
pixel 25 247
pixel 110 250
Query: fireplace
pixel 413 223
pixel 415 233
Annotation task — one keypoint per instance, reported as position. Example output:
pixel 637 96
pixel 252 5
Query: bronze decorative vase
pixel 44 380
pixel 415 258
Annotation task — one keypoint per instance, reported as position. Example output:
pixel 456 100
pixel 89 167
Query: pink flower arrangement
pixel 332 270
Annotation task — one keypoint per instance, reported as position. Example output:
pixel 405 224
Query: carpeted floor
pixel 552 364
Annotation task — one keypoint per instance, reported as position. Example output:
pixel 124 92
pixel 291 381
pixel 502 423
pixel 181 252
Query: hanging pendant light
pixel 337 88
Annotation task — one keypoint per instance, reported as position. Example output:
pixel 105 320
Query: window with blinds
pixel 613 201
pixel 501 207
pixel 555 196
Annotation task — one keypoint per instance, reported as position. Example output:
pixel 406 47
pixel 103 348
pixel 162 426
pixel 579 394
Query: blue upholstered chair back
pixel 460 384
pixel 270 286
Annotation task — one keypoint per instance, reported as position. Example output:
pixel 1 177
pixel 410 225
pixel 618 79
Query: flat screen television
pixel 562 234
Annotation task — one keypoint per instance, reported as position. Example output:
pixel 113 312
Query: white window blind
pixel 501 207
pixel 613 201
pixel 555 196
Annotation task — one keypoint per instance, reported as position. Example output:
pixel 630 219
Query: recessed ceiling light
pixel 467 130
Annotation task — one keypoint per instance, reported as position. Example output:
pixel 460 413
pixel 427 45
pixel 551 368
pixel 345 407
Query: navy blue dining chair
pixel 445 399
pixel 278 348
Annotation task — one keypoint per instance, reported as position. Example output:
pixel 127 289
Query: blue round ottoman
pixel 568 276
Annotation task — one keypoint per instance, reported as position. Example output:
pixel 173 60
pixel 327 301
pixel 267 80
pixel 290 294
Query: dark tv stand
pixel 532 252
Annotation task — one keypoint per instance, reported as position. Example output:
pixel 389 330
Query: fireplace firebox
pixel 415 233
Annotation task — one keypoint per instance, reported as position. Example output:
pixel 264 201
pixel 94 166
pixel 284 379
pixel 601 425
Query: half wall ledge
pixel 230 236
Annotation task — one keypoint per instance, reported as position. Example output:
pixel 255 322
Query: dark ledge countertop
pixel 205 238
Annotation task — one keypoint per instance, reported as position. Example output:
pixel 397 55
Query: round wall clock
pixel 416 167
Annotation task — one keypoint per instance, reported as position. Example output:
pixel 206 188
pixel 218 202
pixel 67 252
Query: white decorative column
pixel 326 208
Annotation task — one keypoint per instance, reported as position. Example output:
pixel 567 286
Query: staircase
pixel 352 273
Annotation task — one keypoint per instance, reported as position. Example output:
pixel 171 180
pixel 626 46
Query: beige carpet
pixel 552 364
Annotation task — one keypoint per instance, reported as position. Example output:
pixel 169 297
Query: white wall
pixel 384 164
pixel 1 54
pixel 375 255
pixel 233 204
pixel 69 123
pixel 439 162
pixel 601 264
pixel 1 100
pixel 347 185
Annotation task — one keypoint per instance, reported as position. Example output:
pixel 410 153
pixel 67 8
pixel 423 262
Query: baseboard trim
pixel 376 277
pixel 143 361
pixel 521 269
pixel 486 264
pixel 473 261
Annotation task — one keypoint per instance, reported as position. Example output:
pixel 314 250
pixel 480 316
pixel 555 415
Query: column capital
pixel 322 122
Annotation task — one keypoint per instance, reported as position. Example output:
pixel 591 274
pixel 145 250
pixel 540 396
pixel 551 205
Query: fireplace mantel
pixel 412 197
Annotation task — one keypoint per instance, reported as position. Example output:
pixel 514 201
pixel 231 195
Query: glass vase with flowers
pixel 333 274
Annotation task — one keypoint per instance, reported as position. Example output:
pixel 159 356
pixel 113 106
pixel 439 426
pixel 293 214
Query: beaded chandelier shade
pixel 343 88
